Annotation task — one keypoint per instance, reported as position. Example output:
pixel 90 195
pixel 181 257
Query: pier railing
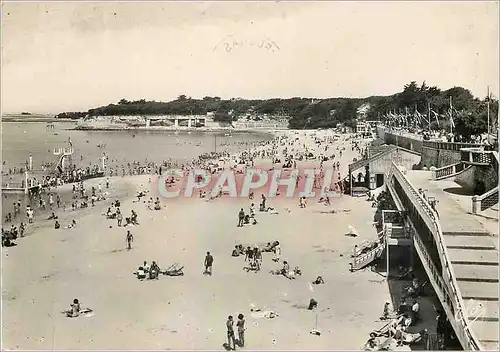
pixel 455 304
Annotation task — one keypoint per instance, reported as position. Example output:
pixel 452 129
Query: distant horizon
pixel 74 56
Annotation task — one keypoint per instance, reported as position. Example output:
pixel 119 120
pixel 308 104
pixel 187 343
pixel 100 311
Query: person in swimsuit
pixel 230 333
pixel 241 330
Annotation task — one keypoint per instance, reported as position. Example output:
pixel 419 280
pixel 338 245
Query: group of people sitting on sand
pixel 286 272
pixel 150 272
pixel 245 219
pixel 154 205
pixel 8 236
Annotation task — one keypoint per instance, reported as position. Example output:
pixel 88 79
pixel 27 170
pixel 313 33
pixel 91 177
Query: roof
pixel 389 149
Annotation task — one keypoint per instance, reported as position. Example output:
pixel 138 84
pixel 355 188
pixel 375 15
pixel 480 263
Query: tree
pixel 222 117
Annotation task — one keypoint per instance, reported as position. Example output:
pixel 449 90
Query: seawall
pixel 433 152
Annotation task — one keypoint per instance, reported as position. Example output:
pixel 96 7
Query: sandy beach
pixel 48 269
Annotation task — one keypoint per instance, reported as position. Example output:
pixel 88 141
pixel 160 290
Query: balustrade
pixel 447 171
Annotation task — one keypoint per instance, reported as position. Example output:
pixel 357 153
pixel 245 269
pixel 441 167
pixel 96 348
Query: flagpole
pixel 488 109
pixel 429 116
pixel 451 117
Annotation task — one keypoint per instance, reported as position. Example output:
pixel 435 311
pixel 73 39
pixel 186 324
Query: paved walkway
pixel 472 252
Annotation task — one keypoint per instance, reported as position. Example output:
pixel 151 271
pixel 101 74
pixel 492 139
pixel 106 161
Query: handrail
pixel 486 200
pixel 471 340
pixel 367 257
pixel 487 194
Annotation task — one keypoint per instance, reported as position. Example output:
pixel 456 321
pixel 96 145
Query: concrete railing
pixel 485 201
pixel 450 145
pixel 460 322
pixel 448 171
pixel 478 156
pixel 434 144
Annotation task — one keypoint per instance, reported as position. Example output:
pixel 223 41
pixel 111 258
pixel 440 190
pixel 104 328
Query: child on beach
pixel 119 217
pixel 130 239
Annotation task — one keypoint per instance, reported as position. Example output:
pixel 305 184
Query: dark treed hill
pixel 316 113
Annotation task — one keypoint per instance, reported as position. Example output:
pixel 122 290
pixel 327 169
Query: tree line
pixel 307 113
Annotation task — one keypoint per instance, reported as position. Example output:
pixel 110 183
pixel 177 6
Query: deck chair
pixel 384 330
pixel 174 270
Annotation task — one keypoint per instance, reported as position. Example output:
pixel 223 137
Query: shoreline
pixel 173 129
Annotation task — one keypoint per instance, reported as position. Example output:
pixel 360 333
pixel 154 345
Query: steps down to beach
pixel 473 255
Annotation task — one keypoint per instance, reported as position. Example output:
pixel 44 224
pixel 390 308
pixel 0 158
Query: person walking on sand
pixel 209 260
pixel 130 239
pixel 241 330
pixel 241 218
pixel 277 252
pixel 230 333
pixel 119 217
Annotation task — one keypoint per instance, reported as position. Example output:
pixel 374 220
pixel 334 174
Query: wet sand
pixel 45 271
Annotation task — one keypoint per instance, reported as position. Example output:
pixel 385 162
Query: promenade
pixel 472 252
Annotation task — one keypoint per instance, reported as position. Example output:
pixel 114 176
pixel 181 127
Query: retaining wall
pixel 434 153
pixel 470 178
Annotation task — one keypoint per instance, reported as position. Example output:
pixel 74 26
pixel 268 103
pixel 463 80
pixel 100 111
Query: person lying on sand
pixel 71 224
pixel 140 195
pixel 270 246
pixel 52 216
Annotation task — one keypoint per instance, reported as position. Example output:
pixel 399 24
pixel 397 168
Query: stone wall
pixel 487 175
pixel 466 179
pixel 401 139
pixel 470 178
pixel 439 157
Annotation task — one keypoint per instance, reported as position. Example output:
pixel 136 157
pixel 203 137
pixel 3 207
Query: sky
pixel 72 56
